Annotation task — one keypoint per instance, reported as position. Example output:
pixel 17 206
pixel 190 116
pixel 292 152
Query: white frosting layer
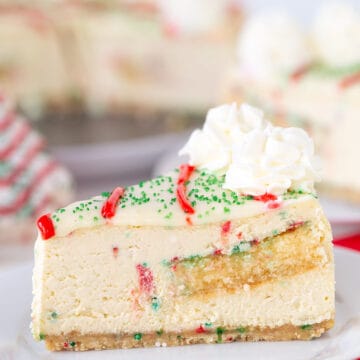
pixel 273 44
pixel 337 34
pixel 256 156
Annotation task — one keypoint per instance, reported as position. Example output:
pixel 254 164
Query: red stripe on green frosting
pixel 109 208
pixel 265 197
pixel 46 227
pixel 185 172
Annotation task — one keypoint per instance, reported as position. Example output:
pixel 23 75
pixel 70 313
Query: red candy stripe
pixel 349 81
pixel 16 141
pixel 24 196
pixel 46 227
pixel 7 120
pixel 265 197
pixel 109 208
pixel 25 161
pixel 185 172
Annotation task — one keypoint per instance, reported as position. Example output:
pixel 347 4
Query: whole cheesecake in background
pixel 309 79
pixel 31 181
pixel 134 57
pixel 233 246
pixel 115 56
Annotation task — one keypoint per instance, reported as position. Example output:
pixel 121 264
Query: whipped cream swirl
pixel 337 34
pixel 255 156
pixel 271 45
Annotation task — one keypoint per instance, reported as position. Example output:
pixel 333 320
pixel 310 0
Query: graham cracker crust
pixel 78 342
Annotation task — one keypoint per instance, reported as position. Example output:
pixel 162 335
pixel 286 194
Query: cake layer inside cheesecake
pixel 281 256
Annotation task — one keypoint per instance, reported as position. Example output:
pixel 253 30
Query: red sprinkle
pixel 109 208
pixel 115 250
pixel 225 228
pixel 239 235
pixel 185 172
pixel 229 338
pixel 265 197
pixel 300 72
pixel 46 226
pixel 349 81
pixel 295 225
pixel 146 279
pixel 273 205
pixel 218 252
pixel 189 221
pixel 66 344
pixel 200 330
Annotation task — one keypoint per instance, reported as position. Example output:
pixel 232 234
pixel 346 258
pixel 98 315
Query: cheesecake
pixel 231 246
pixel 308 78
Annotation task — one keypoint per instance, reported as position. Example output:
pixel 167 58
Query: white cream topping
pixel 271 45
pixel 337 34
pixel 256 156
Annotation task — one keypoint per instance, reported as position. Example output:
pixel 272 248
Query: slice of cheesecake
pixel 192 256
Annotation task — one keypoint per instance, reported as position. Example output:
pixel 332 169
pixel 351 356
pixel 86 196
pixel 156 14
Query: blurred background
pixel 111 89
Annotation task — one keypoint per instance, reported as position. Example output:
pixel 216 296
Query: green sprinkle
pixel 138 336
pixel 241 330
pixel 105 194
pixel 306 327
pixel 96 218
pixel 208 324
pixel 226 210
pixel 72 343
pixel 219 332
pixel 159 332
pixel 155 303
pixel 42 336
pixel 54 315
pixel 242 247
pixel 144 264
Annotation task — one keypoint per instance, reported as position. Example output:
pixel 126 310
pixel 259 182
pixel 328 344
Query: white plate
pixel 342 342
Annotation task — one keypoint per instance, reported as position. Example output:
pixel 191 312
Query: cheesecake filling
pixel 188 277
